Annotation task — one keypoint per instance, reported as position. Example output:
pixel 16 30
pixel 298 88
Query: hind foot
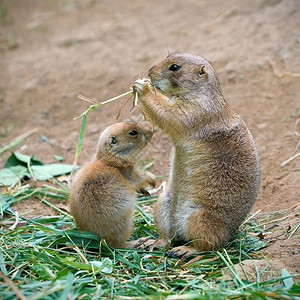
pixel 182 251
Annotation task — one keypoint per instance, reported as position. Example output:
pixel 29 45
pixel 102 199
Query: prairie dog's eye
pixel 174 67
pixel 133 132
pixel 113 140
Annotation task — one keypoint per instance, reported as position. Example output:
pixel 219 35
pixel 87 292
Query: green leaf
pixel 2 264
pixel 17 159
pixel 62 274
pixel 59 158
pixel 288 282
pixel 68 288
pixel 18 169
pixel 49 171
pixel 295 289
pixel 12 175
pixel 45 139
pixel 40 271
pixel 104 266
pixel 4 205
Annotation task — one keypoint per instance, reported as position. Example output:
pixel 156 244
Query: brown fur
pixel 215 171
pixel 103 192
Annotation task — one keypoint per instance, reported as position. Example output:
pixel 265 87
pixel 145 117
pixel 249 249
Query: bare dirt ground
pixel 52 51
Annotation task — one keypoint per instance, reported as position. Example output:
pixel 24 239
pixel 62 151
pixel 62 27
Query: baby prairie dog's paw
pixel 137 243
pixel 146 178
pixel 143 192
pixel 142 86
pixel 151 180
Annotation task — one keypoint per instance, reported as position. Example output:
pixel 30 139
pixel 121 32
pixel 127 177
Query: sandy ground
pixel 52 51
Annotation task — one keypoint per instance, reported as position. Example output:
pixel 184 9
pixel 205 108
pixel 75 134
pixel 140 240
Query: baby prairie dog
pixel 215 171
pixel 103 192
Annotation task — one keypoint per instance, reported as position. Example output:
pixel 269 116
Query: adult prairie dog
pixel 215 171
pixel 103 192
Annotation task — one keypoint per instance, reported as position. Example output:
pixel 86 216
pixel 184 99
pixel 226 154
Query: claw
pixel 177 253
pixel 143 192
pixel 182 251
pixel 171 253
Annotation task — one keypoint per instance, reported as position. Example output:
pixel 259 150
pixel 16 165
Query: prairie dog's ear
pixel 201 71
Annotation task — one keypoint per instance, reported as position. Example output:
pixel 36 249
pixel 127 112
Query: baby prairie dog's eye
pixel 174 67
pixel 133 132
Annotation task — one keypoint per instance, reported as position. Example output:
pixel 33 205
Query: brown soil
pixel 52 51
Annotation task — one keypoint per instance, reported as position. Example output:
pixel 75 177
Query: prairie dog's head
pixel 184 75
pixel 124 140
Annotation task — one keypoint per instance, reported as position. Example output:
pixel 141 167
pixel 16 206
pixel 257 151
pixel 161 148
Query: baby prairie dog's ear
pixel 147 124
pixel 201 71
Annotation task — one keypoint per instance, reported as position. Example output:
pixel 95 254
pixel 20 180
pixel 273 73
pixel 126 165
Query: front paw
pixel 141 86
pixel 151 179
pixel 143 191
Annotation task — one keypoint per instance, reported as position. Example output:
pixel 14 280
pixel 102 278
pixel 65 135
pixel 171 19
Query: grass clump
pixel 46 257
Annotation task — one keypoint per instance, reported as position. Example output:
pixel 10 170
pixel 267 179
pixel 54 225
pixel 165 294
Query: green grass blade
pixel 18 140
pixel 231 267
pixel 80 139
